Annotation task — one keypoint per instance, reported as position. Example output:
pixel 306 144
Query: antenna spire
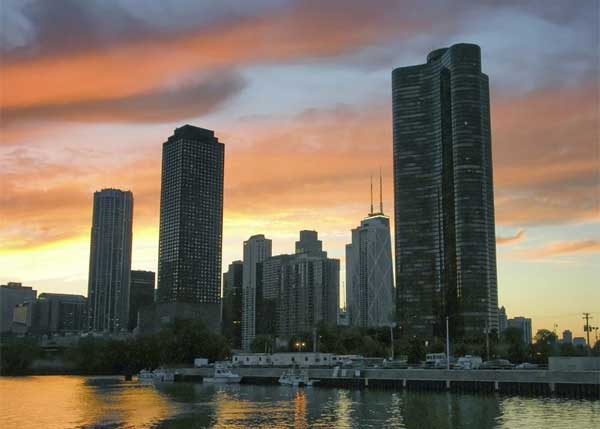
pixel 371 212
pixel 380 193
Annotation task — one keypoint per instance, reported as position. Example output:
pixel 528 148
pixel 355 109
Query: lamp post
pixel 447 343
pixel 392 326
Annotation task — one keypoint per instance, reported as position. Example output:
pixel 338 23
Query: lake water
pixel 97 402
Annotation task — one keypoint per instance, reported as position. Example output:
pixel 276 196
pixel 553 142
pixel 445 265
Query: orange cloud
pixel 517 238
pixel 138 67
pixel 564 248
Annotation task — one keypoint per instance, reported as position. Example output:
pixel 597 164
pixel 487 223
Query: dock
pixel 574 384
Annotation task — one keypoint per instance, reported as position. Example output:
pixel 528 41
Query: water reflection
pixel 77 402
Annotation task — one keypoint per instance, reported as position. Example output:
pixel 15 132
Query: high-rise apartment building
pixel 141 294
pixel 232 303
pixel 444 201
pixel 110 261
pixel 191 218
pixel 369 273
pixel 256 249
pixel 309 285
pixel 567 337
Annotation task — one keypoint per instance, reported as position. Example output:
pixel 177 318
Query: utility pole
pixel 392 338
pixel 586 328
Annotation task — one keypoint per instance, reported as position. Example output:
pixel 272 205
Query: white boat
pixel 161 374
pixel 223 375
pixel 145 375
pixel 296 378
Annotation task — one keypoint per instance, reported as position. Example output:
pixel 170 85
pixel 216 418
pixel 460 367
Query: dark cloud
pixel 158 105
pixel 39 28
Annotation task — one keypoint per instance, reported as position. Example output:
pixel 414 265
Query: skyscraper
pixel 232 303
pixel 141 294
pixel 191 218
pixel 369 272
pixel 110 261
pixel 256 249
pixel 444 202
pixel 523 324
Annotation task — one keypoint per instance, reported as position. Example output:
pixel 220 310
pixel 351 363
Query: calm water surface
pixel 97 402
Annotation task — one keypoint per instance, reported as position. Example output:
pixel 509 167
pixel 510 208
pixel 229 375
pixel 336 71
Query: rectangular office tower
pixel 444 200
pixel 141 294
pixel 232 304
pixel 191 218
pixel 110 261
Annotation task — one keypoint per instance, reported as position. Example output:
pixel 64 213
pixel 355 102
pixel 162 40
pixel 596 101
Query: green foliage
pixel 262 344
pixel 545 345
pixel 17 354
pixel 178 343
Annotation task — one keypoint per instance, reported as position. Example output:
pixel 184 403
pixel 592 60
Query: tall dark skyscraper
pixel 444 201
pixel 191 218
pixel 110 261
pixel 141 294
pixel 232 303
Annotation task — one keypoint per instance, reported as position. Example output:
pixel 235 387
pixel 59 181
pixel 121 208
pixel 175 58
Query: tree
pixel 262 344
pixel 512 345
pixel 17 354
pixel 544 346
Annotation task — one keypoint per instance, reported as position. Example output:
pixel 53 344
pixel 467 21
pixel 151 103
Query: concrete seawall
pixel 522 382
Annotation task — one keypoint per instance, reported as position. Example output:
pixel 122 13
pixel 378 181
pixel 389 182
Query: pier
pixel 575 384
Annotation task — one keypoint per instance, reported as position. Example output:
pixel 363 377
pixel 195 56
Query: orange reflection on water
pixel 300 420
pixel 53 402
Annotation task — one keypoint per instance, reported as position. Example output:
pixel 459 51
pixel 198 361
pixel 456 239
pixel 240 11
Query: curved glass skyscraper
pixel 443 191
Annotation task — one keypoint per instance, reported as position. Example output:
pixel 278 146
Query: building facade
pixel 13 294
pixel 502 320
pixel 309 288
pixel 57 313
pixel 524 325
pixel 370 290
pixel 110 261
pixel 256 249
pixel 191 217
pixel 444 203
pixel 232 303
pixel 141 294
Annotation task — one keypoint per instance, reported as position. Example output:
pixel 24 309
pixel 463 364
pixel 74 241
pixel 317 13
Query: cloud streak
pixel 517 238
pixel 564 248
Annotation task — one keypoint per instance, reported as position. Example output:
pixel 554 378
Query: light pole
pixel 392 326
pixel 447 344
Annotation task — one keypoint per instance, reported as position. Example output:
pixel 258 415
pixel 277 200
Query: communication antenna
pixel 371 212
pixel 380 193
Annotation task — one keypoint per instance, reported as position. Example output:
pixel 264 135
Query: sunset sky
pixel 300 93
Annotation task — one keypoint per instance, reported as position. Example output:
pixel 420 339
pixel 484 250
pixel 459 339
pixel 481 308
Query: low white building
pixel 252 359
pixel 304 359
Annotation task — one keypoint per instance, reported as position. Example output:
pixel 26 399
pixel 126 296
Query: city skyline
pixel 297 120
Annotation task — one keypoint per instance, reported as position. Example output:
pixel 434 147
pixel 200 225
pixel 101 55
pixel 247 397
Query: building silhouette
pixel 567 337
pixel 141 294
pixel 232 303
pixel 110 261
pixel 524 325
pixel 256 249
pixel 502 320
pixel 13 294
pixel 309 284
pixel 191 217
pixel 53 313
pixel 444 203
pixel 369 271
